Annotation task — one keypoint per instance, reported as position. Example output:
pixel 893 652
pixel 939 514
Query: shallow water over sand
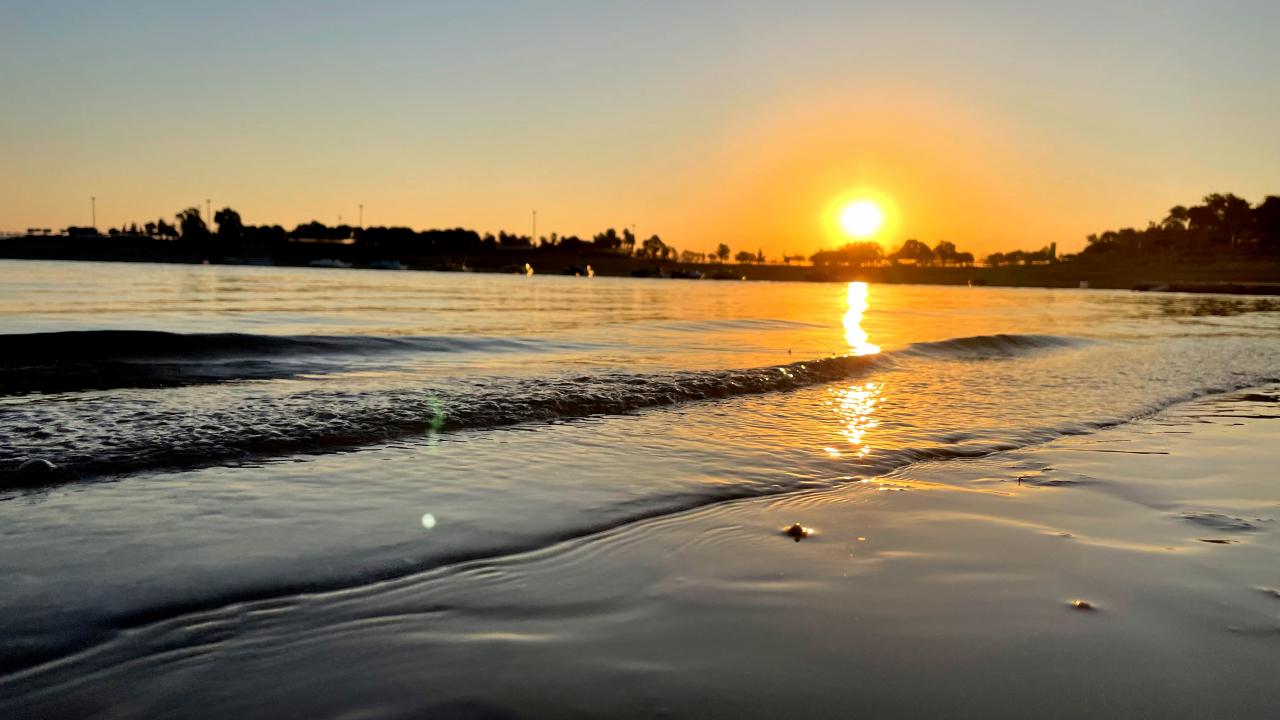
pixel 267 432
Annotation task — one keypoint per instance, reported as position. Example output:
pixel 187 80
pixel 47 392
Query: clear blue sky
pixel 992 124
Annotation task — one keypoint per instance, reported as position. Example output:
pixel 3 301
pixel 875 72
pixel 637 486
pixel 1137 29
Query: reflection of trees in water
pixel 1149 304
pixel 1198 307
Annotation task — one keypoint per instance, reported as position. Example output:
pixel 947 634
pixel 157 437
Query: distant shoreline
pixel 1242 277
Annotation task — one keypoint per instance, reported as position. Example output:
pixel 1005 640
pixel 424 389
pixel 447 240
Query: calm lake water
pixel 184 437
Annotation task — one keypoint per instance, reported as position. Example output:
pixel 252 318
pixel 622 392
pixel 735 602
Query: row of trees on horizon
pixel 912 251
pixel 232 236
pixel 1222 225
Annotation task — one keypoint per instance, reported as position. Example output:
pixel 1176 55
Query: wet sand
pixel 945 589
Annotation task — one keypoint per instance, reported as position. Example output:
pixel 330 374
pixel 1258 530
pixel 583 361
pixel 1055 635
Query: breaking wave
pixel 57 441
pixel 105 359
pixel 992 346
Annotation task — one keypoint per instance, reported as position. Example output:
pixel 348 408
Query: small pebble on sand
pixel 798 532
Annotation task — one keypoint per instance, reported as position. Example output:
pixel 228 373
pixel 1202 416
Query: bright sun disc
pixel 861 218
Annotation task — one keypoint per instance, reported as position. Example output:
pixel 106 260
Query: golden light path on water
pixel 856 404
pixel 853 332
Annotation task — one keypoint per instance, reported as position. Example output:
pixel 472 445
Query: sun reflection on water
pixel 853 332
pixel 856 406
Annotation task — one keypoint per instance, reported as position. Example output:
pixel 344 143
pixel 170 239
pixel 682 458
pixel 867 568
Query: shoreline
pixel 925 592
pixel 1236 277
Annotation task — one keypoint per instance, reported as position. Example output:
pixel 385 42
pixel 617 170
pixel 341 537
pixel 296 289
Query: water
pixel 180 438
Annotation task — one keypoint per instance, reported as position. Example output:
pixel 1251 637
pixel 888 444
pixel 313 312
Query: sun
pixel 861 218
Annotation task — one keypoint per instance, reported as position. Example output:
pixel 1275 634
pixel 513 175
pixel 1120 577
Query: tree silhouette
pixel 230 226
pixel 192 226
pixel 914 251
pixel 608 240
pixel 514 240
pixel 1229 214
pixel 856 253
pixel 945 251
pixel 722 252
pixel 653 248
pixel 1223 224
pixel 1266 222
pixel 1177 218
pixel 1046 254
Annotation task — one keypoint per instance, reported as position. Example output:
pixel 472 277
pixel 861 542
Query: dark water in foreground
pixel 182 439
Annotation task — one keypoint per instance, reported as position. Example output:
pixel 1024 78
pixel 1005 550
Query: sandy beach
pixel 1127 573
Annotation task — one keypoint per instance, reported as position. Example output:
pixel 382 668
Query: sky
pixel 994 125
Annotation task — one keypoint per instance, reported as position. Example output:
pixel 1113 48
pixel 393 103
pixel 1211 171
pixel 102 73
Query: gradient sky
pixel 991 124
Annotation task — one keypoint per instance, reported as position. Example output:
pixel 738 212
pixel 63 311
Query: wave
pixel 34 349
pixel 106 359
pixel 60 441
pixel 992 346
pixel 320 421
pixel 59 362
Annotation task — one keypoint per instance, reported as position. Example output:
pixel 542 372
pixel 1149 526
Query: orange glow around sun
pixel 930 164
